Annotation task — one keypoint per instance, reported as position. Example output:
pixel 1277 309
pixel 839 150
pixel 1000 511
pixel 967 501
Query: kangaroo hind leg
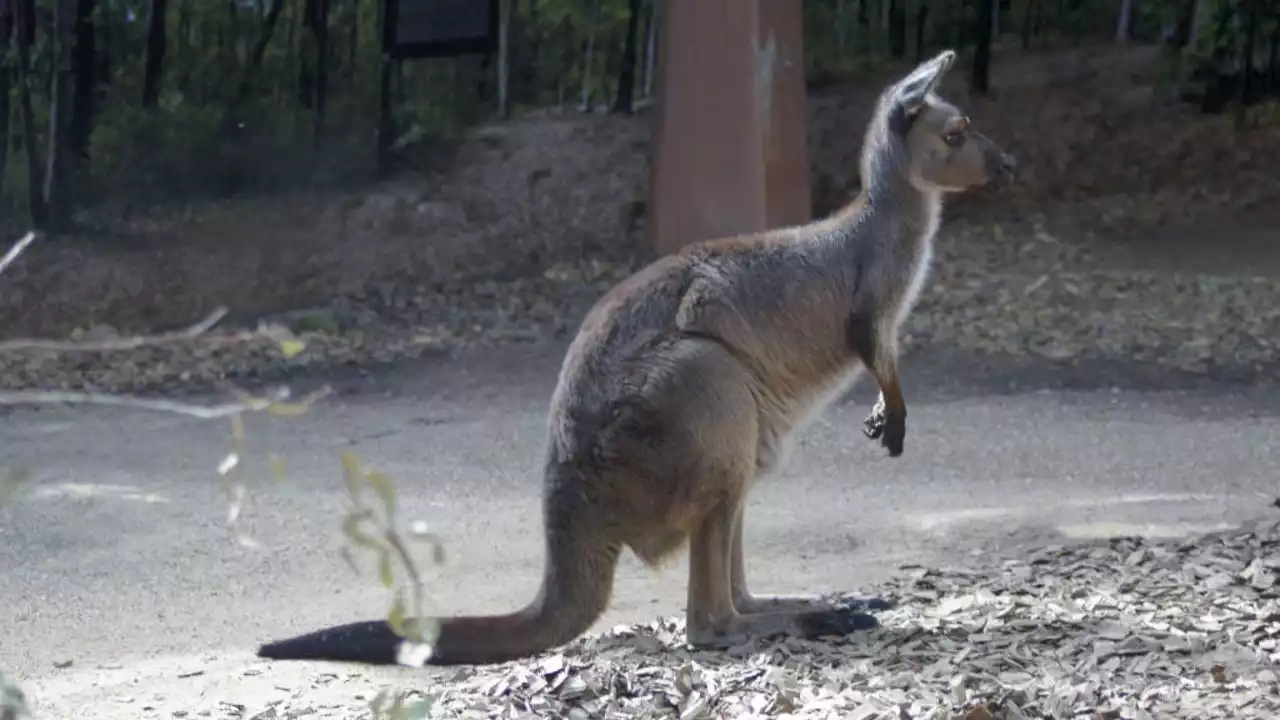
pixel 713 621
pixel 748 604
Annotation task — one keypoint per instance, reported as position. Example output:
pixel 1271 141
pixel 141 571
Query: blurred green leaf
pixel 396 616
pixel 385 572
pixel 352 474
pixel 381 484
pixel 351 527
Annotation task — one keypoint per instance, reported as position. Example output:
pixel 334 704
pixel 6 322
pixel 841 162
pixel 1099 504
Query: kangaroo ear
pixel 914 88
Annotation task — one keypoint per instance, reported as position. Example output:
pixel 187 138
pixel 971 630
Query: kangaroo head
pixel 942 150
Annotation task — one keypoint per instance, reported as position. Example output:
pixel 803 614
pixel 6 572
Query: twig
pixel 124 343
pixel 16 250
pixel 204 412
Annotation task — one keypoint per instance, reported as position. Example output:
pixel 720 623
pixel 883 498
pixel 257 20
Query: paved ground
pixel 117 561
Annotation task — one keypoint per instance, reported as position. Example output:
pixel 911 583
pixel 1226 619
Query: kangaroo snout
pixel 1004 172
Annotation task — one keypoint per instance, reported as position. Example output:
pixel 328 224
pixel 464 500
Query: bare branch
pixel 272 404
pixel 16 250
pixel 123 343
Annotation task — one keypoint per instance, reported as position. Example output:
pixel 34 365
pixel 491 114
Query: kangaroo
pixel 686 382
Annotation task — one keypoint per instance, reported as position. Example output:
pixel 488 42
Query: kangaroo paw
pixel 873 426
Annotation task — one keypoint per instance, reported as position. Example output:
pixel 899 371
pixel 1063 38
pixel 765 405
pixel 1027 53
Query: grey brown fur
pixel 687 381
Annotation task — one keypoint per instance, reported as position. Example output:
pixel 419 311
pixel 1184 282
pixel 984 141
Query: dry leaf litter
pixel 1125 628
pixel 1045 302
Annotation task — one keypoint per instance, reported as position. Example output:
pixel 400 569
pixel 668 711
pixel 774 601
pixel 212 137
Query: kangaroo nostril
pixel 1008 163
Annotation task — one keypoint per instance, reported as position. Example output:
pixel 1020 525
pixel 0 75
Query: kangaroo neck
pixel 896 207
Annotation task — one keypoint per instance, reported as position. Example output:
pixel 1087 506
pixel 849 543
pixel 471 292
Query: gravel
pixel 1122 629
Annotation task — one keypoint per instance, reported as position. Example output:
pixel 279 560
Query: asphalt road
pixel 117 558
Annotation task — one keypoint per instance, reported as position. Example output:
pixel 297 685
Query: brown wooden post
pixel 729 151
pixel 784 109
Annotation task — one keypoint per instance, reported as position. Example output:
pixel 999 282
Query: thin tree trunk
pixel 651 46
pixel 58 170
pixel 589 57
pixel 320 28
pixel 1123 20
pixel 1250 44
pixel 254 67
pixel 353 46
pixel 980 79
pixel 897 29
pixel 305 55
pixel 291 51
pixel 922 20
pixel 884 19
pixel 386 121
pixel 6 32
pixel 86 81
pixel 995 20
pixel 153 70
pixel 24 18
pixel 840 27
pixel 1273 57
pixel 184 41
pixel 1197 20
pixel 504 59
pixel 624 103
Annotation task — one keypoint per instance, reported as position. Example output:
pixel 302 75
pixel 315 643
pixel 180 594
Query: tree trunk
pixel 386 121
pixel 1197 20
pixel 627 71
pixel 153 70
pixel 24 21
pixel 1250 45
pixel 306 50
pixel 58 170
pixel 86 78
pixel 1123 21
pixel 651 46
pixel 504 59
pixel 922 20
pixel 589 57
pixel 980 79
pixel 898 29
pixel 6 32
pixel 1273 57
pixel 254 66
pixel 185 40
pixel 320 30
pixel 840 28
pixel 353 33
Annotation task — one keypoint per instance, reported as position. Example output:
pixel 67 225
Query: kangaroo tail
pixel 576 586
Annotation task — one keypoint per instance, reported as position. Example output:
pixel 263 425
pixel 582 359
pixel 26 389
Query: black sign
pixel 440 28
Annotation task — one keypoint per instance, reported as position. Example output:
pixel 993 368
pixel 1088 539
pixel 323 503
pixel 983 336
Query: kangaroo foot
pixel 888 427
pixel 809 625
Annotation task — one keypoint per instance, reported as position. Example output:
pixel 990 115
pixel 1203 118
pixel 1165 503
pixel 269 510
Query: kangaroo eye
pixel 954 139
